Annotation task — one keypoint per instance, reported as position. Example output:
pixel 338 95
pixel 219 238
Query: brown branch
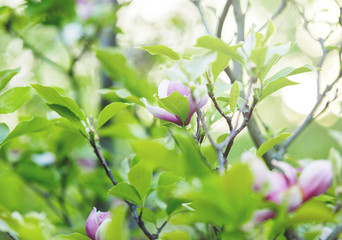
pixel 132 207
pixel 213 99
pixel 223 17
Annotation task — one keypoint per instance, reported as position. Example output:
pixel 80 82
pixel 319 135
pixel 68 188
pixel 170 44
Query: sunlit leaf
pixel 140 176
pixel 73 236
pixel 14 98
pixel 53 97
pixel 6 76
pixel 217 44
pixel 275 86
pixel 234 96
pixel 271 143
pixel 162 50
pixel 127 192
pixel 108 112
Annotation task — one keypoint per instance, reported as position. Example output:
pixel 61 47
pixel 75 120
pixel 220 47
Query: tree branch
pixel 11 236
pixel 223 17
pixel 132 207
pixel 276 14
pixel 198 5
pixel 335 233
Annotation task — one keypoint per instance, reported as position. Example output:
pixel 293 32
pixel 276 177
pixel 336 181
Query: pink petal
pixel 316 178
pixel 178 87
pixel 91 224
pixel 289 171
pixel 263 215
pixel 277 186
pixel 162 114
pixel 162 89
pixel 95 219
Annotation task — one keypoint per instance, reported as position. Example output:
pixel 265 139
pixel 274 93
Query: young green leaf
pixel 4 131
pixel 64 112
pixel 270 31
pixel 216 44
pixel 140 176
pixel 117 228
pixel 73 236
pixel 127 192
pixel 108 112
pixel 176 104
pixel 220 64
pixel 6 76
pixel 14 98
pixel 271 143
pixel 289 71
pixel 178 234
pixel 234 96
pixel 275 86
pixel 53 97
pixel 162 50
pixel 36 124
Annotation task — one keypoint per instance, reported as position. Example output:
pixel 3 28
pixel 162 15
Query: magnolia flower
pixel 283 185
pixel 167 87
pixel 96 224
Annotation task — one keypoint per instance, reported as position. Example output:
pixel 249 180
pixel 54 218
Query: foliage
pixel 221 154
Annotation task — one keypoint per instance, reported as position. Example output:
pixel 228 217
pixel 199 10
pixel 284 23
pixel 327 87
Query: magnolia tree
pixel 170 119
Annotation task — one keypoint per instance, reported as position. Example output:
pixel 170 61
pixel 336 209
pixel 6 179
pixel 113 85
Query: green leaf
pixel 312 211
pixel 289 71
pixel 64 112
pixel 270 30
pixel 176 235
pixel 195 164
pixel 36 124
pixel 117 67
pixel 6 76
pixel 4 131
pixel 220 64
pixel 162 50
pixel 176 104
pixel 234 96
pixel 14 98
pixel 53 97
pixel 156 155
pixel 117 228
pixel 271 143
pixel 127 192
pixel 216 44
pixel 73 236
pixel 148 215
pixel 140 176
pixel 275 86
pixel 120 95
pixel 108 112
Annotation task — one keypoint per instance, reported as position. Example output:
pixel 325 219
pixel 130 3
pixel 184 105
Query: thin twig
pixel 213 99
pixel 223 17
pixel 310 117
pixel 335 233
pixel 198 5
pixel 11 236
pixel 276 14
pixel 132 207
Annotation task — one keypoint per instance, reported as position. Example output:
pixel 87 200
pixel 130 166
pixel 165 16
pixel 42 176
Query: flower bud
pixel 167 87
pixel 316 178
pixel 94 221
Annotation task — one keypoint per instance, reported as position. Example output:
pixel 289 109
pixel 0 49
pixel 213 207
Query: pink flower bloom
pixel 93 223
pixel 316 178
pixel 167 87
pixel 263 215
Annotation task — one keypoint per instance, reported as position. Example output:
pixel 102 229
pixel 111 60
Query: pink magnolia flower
pixel 167 87
pixel 316 178
pixel 93 225
pixel 283 185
